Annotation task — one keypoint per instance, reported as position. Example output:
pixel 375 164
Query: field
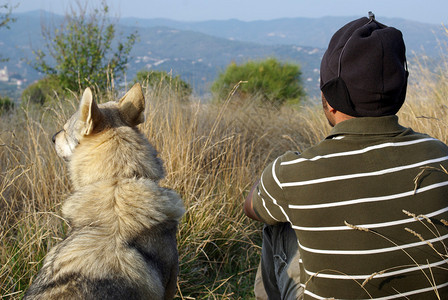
pixel 213 153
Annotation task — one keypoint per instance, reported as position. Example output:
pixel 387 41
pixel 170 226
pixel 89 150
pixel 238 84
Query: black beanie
pixel 363 73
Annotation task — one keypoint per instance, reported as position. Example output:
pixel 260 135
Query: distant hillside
pixel 419 37
pixel 196 57
pixel 198 51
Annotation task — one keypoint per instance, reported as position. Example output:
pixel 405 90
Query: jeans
pixel 278 274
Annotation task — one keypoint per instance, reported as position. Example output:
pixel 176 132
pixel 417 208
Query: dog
pixel 122 238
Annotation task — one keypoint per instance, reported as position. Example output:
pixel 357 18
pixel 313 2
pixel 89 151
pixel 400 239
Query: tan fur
pixel 123 224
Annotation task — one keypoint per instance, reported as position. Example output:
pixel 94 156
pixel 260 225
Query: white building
pixel 4 74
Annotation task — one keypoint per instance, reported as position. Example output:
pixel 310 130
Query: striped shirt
pixel 366 204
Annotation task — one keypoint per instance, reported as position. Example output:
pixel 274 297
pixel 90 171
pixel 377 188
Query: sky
pixel 425 11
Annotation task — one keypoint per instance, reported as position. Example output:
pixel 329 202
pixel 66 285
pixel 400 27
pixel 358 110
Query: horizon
pixel 230 19
pixel 433 12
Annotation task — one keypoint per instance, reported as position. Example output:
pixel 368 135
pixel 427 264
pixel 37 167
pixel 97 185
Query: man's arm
pixel 248 204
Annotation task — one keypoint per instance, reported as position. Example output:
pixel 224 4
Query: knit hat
pixel 363 73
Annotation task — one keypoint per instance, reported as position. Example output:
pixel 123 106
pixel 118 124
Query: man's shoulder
pixel 324 147
pixel 344 147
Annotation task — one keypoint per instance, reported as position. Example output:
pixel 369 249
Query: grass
pixel 213 153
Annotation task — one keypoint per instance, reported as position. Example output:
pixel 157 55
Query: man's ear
pixel 327 105
pixel 90 114
pixel 132 106
pixel 331 109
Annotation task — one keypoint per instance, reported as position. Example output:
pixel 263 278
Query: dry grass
pixel 212 152
pixel 426 106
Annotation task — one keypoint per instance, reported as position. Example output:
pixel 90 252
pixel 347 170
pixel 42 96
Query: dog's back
pixel 122 242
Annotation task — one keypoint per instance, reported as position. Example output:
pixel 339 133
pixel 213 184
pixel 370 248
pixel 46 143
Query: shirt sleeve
pixel 268 200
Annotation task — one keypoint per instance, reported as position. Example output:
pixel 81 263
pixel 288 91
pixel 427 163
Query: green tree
pixel 43 91
pixel 6 104
pixel 5 20
pixel 5 15
pixel 82 49
pixel 162 81
pixel 268 80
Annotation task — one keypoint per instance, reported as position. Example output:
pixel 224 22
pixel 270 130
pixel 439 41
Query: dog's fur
pixel 122 239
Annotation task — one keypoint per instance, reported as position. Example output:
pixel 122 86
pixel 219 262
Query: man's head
pixel 363 72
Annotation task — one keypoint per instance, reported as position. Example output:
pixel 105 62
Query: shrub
pixel 5 104
pixel 43 91
pixel 270 80
pixel 162 81
pixel 85 49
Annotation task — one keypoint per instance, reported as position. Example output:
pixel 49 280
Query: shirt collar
pixel 368 126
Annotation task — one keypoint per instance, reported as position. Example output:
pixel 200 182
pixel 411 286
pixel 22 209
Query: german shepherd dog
pixel 122 238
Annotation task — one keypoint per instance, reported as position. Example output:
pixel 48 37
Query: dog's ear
pixel 132 106
pixel 90 113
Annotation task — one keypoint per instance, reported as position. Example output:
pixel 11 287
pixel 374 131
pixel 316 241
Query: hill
pixel 198 57
pixel 195 56
pixel 198 51
pixel 311 32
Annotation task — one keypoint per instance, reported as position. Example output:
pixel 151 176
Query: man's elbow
pixel 248 204
pixel 249 209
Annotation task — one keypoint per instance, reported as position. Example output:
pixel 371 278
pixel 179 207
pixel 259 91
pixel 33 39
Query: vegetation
pixel 5 14
pixel 268 80
pixel 5 19
pixel 213 153
pixel 162 81
pixel 6 104
pixel 82 50
pixel 43 91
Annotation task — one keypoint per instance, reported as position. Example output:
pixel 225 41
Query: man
pixel 344 218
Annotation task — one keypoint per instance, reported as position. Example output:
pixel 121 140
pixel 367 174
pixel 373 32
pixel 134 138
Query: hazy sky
pixel 428 11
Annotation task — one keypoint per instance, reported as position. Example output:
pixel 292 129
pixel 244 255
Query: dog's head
pixel 91 119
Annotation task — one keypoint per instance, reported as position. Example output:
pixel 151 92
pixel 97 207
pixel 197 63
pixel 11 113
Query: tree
pixel 271 81
pixel 43 91
pixel 5 20
pixel 5 17
pixel 163 81
pixel 6 104
pixel 81 49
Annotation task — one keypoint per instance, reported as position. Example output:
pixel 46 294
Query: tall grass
pixel 426 106
pixel 213 153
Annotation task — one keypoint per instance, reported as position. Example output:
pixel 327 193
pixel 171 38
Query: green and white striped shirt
pixel 368 173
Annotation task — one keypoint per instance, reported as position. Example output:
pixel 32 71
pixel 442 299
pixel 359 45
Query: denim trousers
pixel 279 272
